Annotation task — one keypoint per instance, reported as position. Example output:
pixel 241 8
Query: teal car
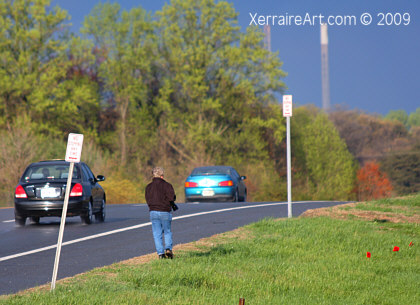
pixel 215 183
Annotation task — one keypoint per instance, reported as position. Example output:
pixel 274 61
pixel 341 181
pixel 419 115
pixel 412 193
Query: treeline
pixel 180 88
pixel 390 143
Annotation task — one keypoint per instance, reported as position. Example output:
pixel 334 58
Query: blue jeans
pixel 161 225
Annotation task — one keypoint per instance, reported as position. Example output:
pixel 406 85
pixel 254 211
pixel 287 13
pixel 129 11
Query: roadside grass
pixel 408 206
pixel 307 260
pixel 406 211
pixel 410 201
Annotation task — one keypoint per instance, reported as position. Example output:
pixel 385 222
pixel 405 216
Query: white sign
pixel 287 105
pixel 74 147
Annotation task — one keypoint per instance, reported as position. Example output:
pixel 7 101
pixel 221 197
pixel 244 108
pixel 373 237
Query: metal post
pixel 62 224
pixel 289 172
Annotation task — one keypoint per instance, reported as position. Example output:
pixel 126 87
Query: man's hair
pixel 158 172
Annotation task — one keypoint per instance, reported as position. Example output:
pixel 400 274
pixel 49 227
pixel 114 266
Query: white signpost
pixel 73 153
pixel 287 112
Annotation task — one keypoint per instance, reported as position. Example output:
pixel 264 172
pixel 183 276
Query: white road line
pixel 5 258
pixel 9 220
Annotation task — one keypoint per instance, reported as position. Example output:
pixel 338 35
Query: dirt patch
pixel 346 211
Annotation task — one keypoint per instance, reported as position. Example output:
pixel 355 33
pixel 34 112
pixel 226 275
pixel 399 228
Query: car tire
pixel 35 219
pixel 235 197
pixel 243 199
pixel 87 218
pixel 20 220
pixel 100 216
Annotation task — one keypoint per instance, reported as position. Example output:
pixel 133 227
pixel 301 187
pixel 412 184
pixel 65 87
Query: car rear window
pixel 49 172
pixel 210 171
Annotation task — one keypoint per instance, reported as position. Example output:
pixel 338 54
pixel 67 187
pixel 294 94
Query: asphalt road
pixel 27 253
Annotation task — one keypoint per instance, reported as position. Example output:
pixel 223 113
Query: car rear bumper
pixel 210 198
pixel 220 193
pixel 51 208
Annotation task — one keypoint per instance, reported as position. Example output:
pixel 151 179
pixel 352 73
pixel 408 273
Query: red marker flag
pixel 368 255
pixel 396 249
pixel 411 243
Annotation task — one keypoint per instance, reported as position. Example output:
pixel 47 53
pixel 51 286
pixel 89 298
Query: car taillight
pixel 226 183
pixel 20 192
pixel 191 184
pixel 77 190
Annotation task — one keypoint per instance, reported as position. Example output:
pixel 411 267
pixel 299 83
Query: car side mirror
pixel 100 178
pixel 243 177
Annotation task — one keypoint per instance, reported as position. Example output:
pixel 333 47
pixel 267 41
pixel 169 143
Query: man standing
pixel 159 195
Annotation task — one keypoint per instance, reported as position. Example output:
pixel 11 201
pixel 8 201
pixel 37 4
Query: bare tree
pixel 18 148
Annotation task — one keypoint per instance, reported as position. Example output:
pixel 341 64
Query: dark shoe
pixel 169 253
pixel 161 256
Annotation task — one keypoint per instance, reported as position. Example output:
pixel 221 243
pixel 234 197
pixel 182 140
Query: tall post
pixel 326 104
pixel 287 112
pixel 289 172
pixel 73 153
pixel 62 224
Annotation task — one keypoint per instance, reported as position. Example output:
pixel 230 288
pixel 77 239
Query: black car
pixel 41 190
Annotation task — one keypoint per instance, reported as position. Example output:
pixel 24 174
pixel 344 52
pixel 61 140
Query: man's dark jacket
pixel 159 194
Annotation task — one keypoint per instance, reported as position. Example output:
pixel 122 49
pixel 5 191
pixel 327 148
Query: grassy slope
pixel 310 260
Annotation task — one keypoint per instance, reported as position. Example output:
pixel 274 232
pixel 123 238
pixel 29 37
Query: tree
pixel 398 115
pixel 19 146
pixel 415 134
pixel 414 118
pixel 35 66
pixel 215 85
pixel 403 168
pixel 73 104
pixel 369 137
pixel 328 163
pixel 372 183
pixel 124 39
pixel 31 53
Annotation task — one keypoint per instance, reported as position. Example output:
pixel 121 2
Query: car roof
pixel 213 167
pixel 217 169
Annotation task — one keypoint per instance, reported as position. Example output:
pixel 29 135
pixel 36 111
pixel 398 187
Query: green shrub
pixel 120 189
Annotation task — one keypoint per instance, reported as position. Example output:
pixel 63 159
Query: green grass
pixel 408 206
pixel 293 261
pixel 372 206
pixel 409 201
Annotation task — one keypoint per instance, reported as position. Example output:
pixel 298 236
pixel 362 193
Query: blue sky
pixel 373 68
